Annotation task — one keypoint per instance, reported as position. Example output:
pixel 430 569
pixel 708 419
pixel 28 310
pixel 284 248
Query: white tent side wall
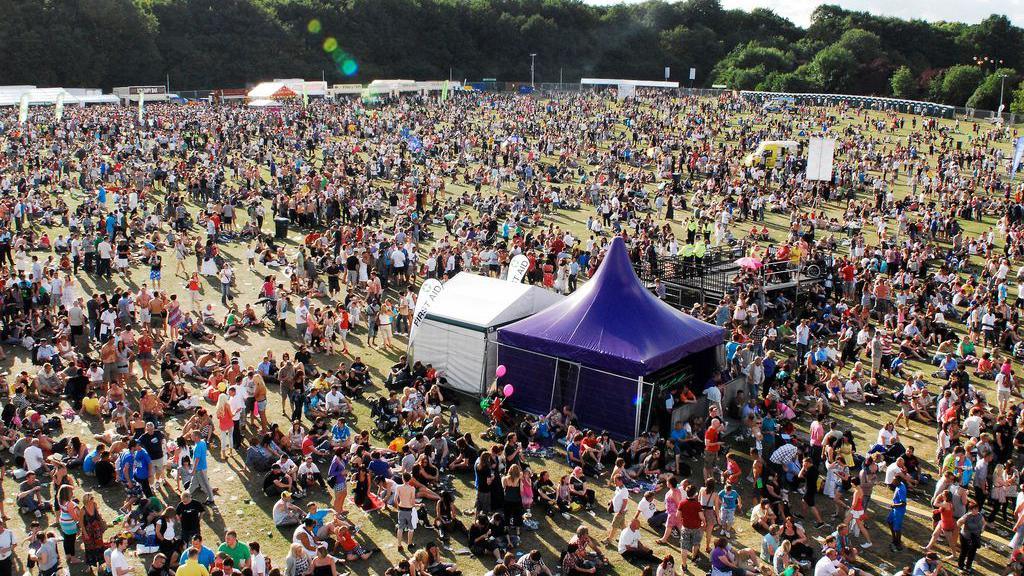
pixel 457 353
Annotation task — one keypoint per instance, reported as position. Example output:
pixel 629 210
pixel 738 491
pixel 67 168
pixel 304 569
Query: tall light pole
pixel 533 58
pixel 1002 82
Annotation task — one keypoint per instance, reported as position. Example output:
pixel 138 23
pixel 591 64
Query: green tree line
pixel 205 44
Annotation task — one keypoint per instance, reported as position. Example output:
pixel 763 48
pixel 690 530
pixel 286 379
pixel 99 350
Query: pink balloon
pixel 500 371
pixel 508 390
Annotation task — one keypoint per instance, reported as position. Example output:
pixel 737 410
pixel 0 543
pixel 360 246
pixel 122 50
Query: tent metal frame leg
pixel 639 403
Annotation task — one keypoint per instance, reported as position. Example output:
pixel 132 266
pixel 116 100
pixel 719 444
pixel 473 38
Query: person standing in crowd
pixel 7 549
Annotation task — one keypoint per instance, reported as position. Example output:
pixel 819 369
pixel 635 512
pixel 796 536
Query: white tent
pixel 386 87
pixel 272 91
pixel 627 88
pixel 457 335
pixel 98 99
pixel 36 96
pixel 313 88
pixel 265 104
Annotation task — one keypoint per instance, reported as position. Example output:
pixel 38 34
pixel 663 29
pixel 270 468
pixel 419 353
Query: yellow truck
pixel 769 152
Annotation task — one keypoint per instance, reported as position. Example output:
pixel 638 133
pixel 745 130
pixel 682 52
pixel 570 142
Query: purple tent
pixel 592 350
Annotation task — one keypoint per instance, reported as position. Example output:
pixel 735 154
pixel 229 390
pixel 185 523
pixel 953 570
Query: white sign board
pixel 668 71
pixel 820 156
pixel 429 292
pixel 517 268
pixel 625 91
pixel 693 73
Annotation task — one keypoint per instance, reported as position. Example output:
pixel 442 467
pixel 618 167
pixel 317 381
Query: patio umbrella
pixel 749 262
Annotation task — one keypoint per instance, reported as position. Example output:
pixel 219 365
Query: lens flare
pixel 637 401
pixel 330 44
pixel 314 26
pixel 349 67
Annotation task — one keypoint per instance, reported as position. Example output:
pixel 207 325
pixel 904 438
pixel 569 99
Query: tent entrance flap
pixel 567 379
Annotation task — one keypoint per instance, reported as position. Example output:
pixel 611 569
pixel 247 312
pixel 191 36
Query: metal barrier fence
pixel 990 115
pixel 194 94
pixel 1010 118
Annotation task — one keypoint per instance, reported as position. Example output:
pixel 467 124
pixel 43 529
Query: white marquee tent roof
pixel 265 104
pixel 11 96
pixel 268 90
pixel 98 99
pixel 36 96
pixel 483 301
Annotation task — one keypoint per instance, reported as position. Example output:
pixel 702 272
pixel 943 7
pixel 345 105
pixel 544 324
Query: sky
pixel 970 11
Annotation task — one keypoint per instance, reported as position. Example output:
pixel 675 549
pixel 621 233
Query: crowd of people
pixel 314 225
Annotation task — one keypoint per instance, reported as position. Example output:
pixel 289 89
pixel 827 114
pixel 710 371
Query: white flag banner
pixel 23 109
pixel 1018 155
pixel 820 157
pixel 517 268
pixel 429 292
pixel 142 104
pixel 58 110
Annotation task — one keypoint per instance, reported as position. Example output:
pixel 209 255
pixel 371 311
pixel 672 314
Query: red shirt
pixel 733 470
pixel 711 440
pixel 951 414
pixel 690 513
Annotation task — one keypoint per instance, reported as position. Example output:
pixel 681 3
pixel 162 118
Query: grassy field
pixel 244 508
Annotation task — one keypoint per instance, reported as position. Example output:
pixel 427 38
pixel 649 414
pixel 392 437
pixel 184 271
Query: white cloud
pixel 971 11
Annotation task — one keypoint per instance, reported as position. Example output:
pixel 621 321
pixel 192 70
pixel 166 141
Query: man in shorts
pixel 692 518
pixel 730 503
pixel 618 506
pixel 108 356
pixel 152 441
pixel 712 447
pixel 898 510
pixel 406 496
pixel 808 478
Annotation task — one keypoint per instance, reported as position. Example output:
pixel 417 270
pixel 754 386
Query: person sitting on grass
pixel 277 482
pixel 630 547
pixel 482 541
pixel 345 542
pixel 232 327
pixel 727 561
pixel 285 513
pixel 581 494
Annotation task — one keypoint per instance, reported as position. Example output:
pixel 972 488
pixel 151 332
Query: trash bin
pixel 280 227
